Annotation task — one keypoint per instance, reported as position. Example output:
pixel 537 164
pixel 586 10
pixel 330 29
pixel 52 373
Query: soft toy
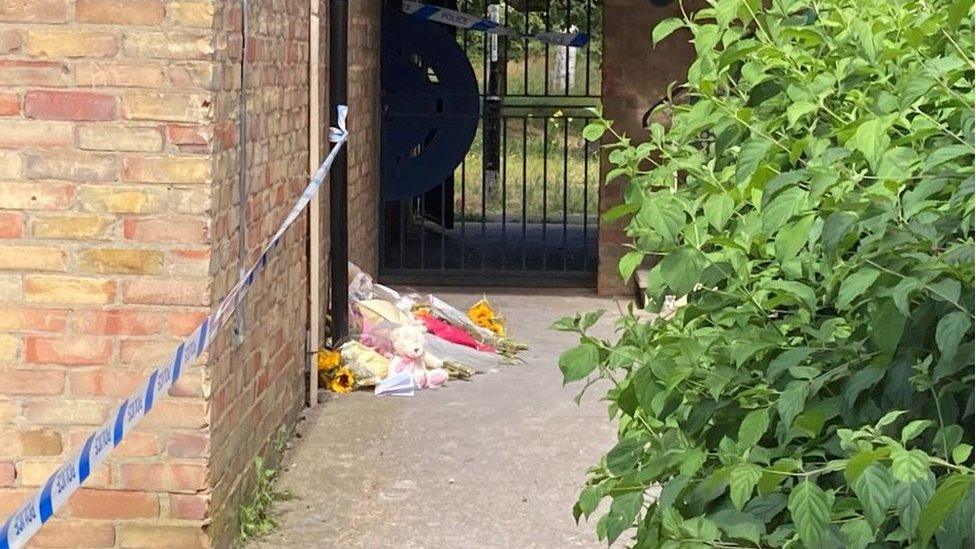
pixel 409 355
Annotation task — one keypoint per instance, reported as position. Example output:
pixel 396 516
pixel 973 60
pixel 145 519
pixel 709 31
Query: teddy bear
pixel 410 355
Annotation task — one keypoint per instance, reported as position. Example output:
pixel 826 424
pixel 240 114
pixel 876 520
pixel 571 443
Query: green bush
pixel 813 198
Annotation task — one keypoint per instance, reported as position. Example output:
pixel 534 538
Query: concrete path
pixel 494 462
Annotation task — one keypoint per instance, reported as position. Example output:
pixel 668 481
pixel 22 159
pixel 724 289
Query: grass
pixel 256 517
pixel 545 193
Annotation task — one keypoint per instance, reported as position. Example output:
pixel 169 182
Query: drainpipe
pixel 315 312
pixel 239 326
pixel 338 201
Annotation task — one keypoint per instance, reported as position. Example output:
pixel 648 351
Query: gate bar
pixel 338 192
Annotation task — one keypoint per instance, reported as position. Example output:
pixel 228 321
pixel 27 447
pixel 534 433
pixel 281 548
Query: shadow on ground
pixel 494 462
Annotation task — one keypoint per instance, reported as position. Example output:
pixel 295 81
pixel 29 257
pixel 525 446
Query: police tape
pixel 463 20
pixel 28 519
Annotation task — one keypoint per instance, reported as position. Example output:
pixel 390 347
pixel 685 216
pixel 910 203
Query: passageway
pixel 494 462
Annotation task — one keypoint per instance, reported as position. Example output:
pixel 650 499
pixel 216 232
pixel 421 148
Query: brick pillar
pixel 635 76
pixel 105 184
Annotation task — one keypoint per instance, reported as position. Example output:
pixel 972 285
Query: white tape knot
pixel 340 134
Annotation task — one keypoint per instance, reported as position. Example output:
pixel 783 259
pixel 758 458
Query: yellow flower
pixel 327 360
pixel 343 381
pixel 483 315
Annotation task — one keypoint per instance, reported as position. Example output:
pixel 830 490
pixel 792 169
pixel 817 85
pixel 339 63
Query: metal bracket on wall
pixel 240 317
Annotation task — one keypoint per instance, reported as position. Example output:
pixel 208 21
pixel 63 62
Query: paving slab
pixel 497 461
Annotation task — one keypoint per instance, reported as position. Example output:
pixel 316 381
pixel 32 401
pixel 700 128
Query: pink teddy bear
pixel 409 354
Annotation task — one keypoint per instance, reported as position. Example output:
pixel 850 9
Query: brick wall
pixel 635 76
pixel 119 228
pixel 364 152
pixel 105 184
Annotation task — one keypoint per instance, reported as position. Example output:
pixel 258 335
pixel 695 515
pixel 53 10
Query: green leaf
pixel 861 461
pixel 594 131
pixel 622 512
pixel 791 239
pixel 742 481
pixel 961 453
pixel 578 362
pixel 798 110
pixel 915 428
pixel 629 263
pixel 887 326
pixel 664 29
pixel 589 499
pixel 858 534
pixel 871 139
pixel 947 497
pixel 950 331
pixel 671 490
pixel 910 497
pixel 619 211
pixel 855 285
pixel 810 507
pixel 792 401
pixel 750 155
pixel 738 525
pixel 781 208
pixel 718 209
pixel 752 428
pixel 837 226
pixel 663 214
pixel 623 458
pixel 786 360
pixel 909 465
pixel 681 270
pixel 874 490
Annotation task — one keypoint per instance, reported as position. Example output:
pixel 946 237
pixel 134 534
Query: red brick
pixel 109 382
pixel 11 225
pixel 7 474
pixel 31 382
pixel 69 105
pixel 188 507
pixel 188 445
pixel 181 230
pixel 9 104
pixel 113 504
pixel 119 12
pixel 69 351
pixel 163 476
pixel 117 322
pixel 73 534
pixel 183 324
pixel 189 138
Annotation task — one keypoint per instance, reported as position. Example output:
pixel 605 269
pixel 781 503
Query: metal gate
pixel 485 176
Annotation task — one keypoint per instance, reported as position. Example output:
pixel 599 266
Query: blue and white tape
pixel 28 519
pixel 463 20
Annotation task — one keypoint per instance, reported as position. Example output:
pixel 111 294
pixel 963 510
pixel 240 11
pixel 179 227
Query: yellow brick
pixel 117 138
pixel 35 196
pixel 9 165
pixel 10 287
pixel 192 201
pixel 122 199
pixel 70 43
pixel 8 410
pixel 70 166
pixel 31 258
pixel 68 289
pixel 191 14
pixel 16 134
pixel 9 346
pixel 120 260
pixel 136 75
pixel 159 45
pixel 169 107
pixel 194 169
pixel 72 226
pixel 192 74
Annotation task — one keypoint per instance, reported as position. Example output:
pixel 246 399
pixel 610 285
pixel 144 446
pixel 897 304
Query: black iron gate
pixel 486 178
